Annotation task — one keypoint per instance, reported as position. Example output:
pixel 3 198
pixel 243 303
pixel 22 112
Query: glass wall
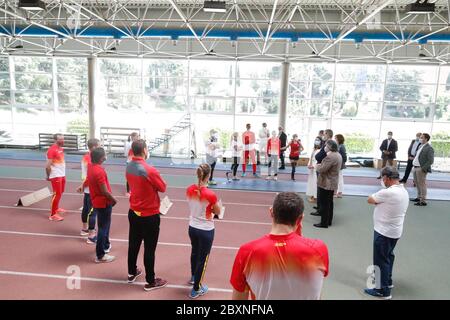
pixel 41 95
pixel 153 95
pixel 363 102
pixel 368 101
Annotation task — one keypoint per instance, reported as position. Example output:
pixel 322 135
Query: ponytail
pixel 203 171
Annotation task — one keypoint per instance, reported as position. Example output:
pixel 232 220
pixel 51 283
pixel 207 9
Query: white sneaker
pixel 106 258
pixel 109 249
pixel 275 178
pixel 269 178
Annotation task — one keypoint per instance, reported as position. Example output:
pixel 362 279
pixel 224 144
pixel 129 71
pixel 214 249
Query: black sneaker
pixel 420 204
pixel 415 200
pixel 132 278
pixel 319 225
pixel 156 284
pixel 315 213
pixel 315 207
pixel 377 294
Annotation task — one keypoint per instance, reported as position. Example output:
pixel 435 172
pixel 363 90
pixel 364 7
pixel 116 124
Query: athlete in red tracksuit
pixel 56 174
pixel 248 140
pixel 145 183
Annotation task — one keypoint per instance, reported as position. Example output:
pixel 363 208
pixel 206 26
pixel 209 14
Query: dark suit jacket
pixel 426 157
pixel 410 148
pixel 283 140
pixel 393 148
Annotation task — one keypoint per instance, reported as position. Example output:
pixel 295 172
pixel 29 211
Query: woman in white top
pixel 236 150
pixel 311 187
pixel 203 206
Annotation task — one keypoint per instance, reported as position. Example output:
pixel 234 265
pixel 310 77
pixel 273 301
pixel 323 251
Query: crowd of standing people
pixel 260 266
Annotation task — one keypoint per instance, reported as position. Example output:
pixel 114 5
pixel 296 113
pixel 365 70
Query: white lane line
pixel 126 215
pixel 63 277
pixel 53 235
pixel 123 197
pixel 173 187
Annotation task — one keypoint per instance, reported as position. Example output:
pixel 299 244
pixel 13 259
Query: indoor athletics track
pixel 36 255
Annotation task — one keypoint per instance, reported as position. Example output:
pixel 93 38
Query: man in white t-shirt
pixel 263 136
pixel 391 204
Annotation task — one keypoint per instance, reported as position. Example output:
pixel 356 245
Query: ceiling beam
pixel 269 28
pixel 188 24
pixel 343 34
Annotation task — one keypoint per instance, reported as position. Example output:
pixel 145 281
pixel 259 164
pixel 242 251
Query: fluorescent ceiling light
pixel 32 5
pixel 420 7
pixel 214 6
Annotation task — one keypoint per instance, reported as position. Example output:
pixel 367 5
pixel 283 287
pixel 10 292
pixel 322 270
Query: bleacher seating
pixel 114 139
pixel 75 142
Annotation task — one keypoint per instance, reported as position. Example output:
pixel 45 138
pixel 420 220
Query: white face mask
pixel 389 137
pixel 327 149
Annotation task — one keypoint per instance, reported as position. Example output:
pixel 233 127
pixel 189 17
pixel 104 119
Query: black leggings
pixel 88 214
pixel 293 165
pixel 212 171
pixel 201 241
pixel 235 165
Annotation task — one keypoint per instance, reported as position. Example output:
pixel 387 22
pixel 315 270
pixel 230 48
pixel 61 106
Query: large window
pixel 362 102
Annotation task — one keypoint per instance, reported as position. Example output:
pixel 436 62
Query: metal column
pixel 284 93
pixel 92 70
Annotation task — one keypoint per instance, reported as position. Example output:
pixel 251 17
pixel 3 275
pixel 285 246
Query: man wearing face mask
pixel 283 141
pixel 263 135
pixel 412 150
pixel 391 204
pixel 388 149
pixel 327 183
pixel 56 173
pixel 144 218
pixel 422 166
pixel 328 135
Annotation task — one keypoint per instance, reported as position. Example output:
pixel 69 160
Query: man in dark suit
pixel 422 166
pixel 412 150
pixel 388 149
pixel 283 140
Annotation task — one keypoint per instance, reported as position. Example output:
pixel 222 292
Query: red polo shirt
pixel 145 182
pixel 96 176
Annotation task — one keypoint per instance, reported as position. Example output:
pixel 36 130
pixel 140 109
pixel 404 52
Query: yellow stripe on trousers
pixel 89 215
pixel 204 270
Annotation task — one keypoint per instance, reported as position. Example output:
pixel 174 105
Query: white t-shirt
pixel 263 134
pixel 235 148
pixel 201 207
pixel 416 162
pixel 390 211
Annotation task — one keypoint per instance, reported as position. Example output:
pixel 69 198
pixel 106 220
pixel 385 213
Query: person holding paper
pixel 203 205
pixel 145 182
